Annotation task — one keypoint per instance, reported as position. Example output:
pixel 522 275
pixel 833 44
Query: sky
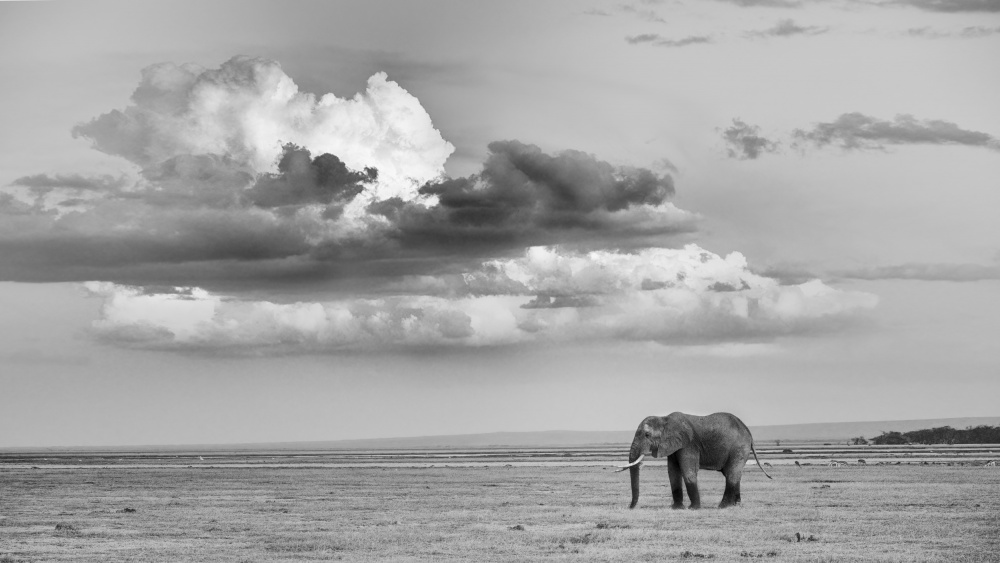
pixel 232 222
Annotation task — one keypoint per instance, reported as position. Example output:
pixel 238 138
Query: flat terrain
pixel 229 512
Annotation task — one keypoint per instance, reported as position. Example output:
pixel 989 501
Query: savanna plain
pixel 501 512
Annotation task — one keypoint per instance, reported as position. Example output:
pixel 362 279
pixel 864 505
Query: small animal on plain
pixel 766 464
pixel 991 464
pixel 797 464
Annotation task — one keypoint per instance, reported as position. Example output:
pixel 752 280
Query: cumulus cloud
pixel 248 188
pixel 248 108
pixel 858 131
pixel 656 40
pixel 226 193
pixel 744 141
pixel 548 294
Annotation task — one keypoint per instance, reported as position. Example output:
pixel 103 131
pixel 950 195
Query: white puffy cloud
pixel 246 109
pixel 686 295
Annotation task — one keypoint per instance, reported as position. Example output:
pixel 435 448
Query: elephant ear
pixel 672 443
pixel 678 434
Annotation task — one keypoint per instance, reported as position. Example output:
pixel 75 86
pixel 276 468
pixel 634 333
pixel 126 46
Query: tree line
pixel 942 435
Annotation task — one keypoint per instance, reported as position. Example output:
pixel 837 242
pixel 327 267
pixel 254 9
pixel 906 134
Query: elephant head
pixel 658 436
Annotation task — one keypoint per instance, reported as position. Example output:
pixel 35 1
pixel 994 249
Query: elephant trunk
pixel 634 472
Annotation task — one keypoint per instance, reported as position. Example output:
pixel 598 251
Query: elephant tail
pixel 758 461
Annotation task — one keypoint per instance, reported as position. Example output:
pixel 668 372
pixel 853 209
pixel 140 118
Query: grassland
pixel 875 513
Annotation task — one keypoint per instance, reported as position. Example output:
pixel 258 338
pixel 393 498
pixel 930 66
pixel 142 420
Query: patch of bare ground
pixel 885 513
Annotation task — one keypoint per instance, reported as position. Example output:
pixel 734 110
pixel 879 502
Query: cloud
pixel 745 142
pixel 302 179
pixel 971 32
pixel 248 108
pixel 548 294
pixel 644 14
pixel 952 5
pixel 789 274
pixel 657 41
pixel 221 219
pixel 642 38
pixel 927 272
pixel 265 220
pixel 45 182
pixel 788 28
pixel 765 3
pixel 859 131
pixel 928 5
pixel 196 220
pixel 526 196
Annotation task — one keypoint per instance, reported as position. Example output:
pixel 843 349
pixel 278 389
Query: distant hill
pixel 828 431
pixel 845 430
pixel 548 438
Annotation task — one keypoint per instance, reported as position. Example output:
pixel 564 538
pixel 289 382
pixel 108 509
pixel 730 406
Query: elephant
pixel 718 441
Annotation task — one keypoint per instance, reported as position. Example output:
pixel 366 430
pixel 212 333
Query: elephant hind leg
pixel 733 473
pixel 729 496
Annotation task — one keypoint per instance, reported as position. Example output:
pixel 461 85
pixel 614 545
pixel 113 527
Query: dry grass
pixel 885 513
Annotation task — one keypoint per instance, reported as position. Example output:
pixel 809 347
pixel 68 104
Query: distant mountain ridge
pixel 824 431
pixel 549 438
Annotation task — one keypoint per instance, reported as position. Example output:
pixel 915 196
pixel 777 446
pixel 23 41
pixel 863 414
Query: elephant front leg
pixel 676 482
pixel 692 487
pixel 689 469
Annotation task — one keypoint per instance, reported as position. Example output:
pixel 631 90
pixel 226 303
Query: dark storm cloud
pixel 657 41
pixel 302 180
pixel 202 219
pixel 526 197
pixel 788 28
pixel 859 131
pixel 745 142
pixel 927 272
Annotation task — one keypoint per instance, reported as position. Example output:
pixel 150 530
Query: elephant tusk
pixel 631 464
